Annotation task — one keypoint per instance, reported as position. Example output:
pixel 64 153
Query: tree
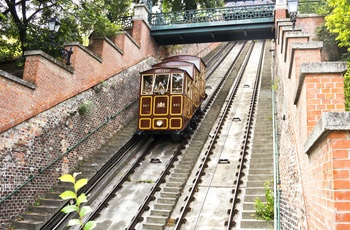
pixel 338 21
pixel 176 5
pixel 23 23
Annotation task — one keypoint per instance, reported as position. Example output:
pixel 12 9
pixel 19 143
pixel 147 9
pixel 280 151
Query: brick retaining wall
pixel 313 131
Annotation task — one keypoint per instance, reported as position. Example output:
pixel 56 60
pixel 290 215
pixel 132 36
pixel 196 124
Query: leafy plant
pixel 99 87
pixel 347 89
pixel 265 210
pixel 38 202
pixel 85 107
pixel 78 201
pixel 146 181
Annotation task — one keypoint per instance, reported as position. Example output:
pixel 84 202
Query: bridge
pixel 245 22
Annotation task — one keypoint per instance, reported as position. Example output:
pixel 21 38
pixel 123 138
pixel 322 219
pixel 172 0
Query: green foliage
pixel 78 201
pixel 347 89
pixel 99 87
pixel 330 46
pixel 311 7
pixel 85 107
pixel 265 210
pixel 176 5
pixel 23 25
pixel 338 21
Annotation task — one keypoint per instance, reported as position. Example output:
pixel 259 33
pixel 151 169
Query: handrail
pixel 213 15
pixel 237 12
pixel 41 170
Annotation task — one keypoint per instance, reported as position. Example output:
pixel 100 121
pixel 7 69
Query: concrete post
pixel 141 12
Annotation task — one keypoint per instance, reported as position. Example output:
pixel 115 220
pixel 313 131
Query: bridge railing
pixel 212 15
pixel 124 22
pixel 242 12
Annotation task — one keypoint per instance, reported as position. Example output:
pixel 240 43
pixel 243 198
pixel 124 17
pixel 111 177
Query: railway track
pixel 157 185
pixel 215 161
pixel 156 215
pixel 167 187
pixel 103 176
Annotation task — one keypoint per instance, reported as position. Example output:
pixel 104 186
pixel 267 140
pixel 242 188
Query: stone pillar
pixel 141 12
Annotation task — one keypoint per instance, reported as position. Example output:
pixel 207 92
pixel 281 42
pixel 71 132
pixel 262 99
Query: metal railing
pixel 213 15
pixel 242 12
pixel 124 22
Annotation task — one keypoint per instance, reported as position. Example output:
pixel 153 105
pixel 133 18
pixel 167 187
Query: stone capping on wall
pixel 330 121
pixel 302 46
pixel 48 57
pixel 141 12
pixel 133 41
pixel 83 48
pixel 294 34
pixel 17 80
pixel 110 43
pixel 284 32
pixel 281 23
pixel 317 68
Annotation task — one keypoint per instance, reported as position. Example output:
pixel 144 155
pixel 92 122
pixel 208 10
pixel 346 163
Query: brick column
pixel 280 9
pixel 323 84
pixel 327 172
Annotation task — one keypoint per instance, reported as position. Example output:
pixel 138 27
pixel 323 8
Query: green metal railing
pixel 213 15
pixel 124 22
pixel 234 13
pixel 42 170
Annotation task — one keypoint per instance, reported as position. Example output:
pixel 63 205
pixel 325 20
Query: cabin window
pixel 177 82
pixel 161 83
pixel 189 88
pixel 147 84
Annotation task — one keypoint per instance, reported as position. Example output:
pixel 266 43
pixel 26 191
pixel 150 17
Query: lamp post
pixel 54 27
pixel 293 11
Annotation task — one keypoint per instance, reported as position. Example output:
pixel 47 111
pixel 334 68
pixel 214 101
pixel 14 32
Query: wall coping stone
pixel 133 41
pixel 283 20
pixel 84 48
pixel 141 12
pixel 302 46
pixel 282 24
pixel 48 57
pixel 329 121
pixel 286 31
pixel 296 33
pixel 309 16
pixel 317 68
pixel 110 43
pixel 18 80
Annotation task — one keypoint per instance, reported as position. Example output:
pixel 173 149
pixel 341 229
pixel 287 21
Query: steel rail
pixel 247 136
pixel 211 146
pixel 59 217
pixel 156 188
pixel 218 58
pixel 119 185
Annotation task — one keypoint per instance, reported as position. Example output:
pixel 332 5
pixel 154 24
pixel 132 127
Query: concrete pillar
pixel 141 12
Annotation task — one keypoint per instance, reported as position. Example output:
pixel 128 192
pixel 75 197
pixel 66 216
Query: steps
pixel 37 216
pixel 261 163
